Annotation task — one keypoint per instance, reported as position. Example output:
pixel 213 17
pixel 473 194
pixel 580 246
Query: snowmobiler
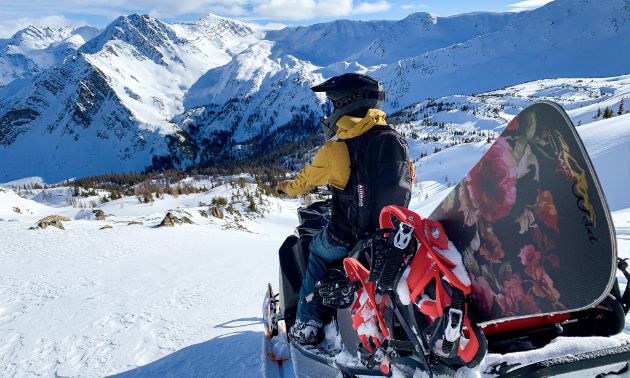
pixel 436 294
pixel 368 168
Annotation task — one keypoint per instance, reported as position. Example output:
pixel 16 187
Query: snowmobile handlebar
pixel 320 191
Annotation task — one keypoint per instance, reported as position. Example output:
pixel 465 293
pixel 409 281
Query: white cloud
pixel 233 10
pixel 9 27
pixel 381 6
pixel 413 6
pixel 309 9
pixel 528 4
pixel 15 15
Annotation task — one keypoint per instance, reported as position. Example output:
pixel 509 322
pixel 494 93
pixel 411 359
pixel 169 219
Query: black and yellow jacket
pixel 331 163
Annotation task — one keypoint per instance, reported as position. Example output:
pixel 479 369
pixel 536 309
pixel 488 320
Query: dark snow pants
pixel 324 250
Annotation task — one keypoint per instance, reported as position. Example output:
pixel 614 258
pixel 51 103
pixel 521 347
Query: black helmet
pixel 350 94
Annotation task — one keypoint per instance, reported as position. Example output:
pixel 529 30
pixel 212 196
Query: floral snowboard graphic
pixel 531 221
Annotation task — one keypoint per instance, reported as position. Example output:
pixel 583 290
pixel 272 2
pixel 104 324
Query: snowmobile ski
pixel 277 347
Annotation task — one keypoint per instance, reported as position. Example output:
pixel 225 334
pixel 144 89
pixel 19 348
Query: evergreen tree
pixel 608 113
pixel 599 114
pixel 620 111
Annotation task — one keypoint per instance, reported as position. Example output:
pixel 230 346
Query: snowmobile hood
pixel 350 127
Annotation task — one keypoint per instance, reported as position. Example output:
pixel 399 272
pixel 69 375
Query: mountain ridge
pixel 221 89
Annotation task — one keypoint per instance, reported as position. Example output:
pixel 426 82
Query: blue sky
pixel 16 14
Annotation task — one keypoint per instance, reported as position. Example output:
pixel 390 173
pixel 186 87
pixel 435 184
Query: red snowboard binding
pixel 416 256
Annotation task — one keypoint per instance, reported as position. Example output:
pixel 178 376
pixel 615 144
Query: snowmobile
pixel 405 298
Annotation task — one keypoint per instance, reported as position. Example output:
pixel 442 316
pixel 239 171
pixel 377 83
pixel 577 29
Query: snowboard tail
pixel 531 222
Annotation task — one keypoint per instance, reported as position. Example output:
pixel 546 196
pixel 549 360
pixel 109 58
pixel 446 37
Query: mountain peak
pixel 212 16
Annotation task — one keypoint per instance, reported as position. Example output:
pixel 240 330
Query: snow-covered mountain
pixel 110 107
pixel 565 38
pixel 419 33
pixel 492 51
pixel 220 88
pixel 32 50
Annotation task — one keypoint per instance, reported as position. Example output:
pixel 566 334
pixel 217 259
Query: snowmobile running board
pixel 307 352
pixel 567 364
pixel 544 368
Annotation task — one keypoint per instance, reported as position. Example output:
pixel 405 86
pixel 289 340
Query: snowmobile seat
pixel 293 256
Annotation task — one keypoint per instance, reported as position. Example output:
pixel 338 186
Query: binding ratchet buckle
pixel 403 236
pixel 453 327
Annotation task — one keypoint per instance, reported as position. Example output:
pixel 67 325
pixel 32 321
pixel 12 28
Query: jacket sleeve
pixel 316 173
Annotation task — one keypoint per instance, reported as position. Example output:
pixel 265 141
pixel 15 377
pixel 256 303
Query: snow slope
pixel 542 43
pixel 608 145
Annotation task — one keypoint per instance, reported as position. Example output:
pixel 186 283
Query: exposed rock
pixel 216 212
pixel 203 213
pixel 169 220
pixel 100 214
pixel 17 210
pixel 44 224
pixel 56 217
pixel 134 222
pixel 105 227
pixel 187 220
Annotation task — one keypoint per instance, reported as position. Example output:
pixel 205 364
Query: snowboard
pixel 532 223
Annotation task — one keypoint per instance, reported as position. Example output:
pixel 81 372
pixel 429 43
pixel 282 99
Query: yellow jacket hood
pixel 350 127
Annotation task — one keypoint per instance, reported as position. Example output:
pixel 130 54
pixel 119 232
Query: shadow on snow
pixel 236 354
